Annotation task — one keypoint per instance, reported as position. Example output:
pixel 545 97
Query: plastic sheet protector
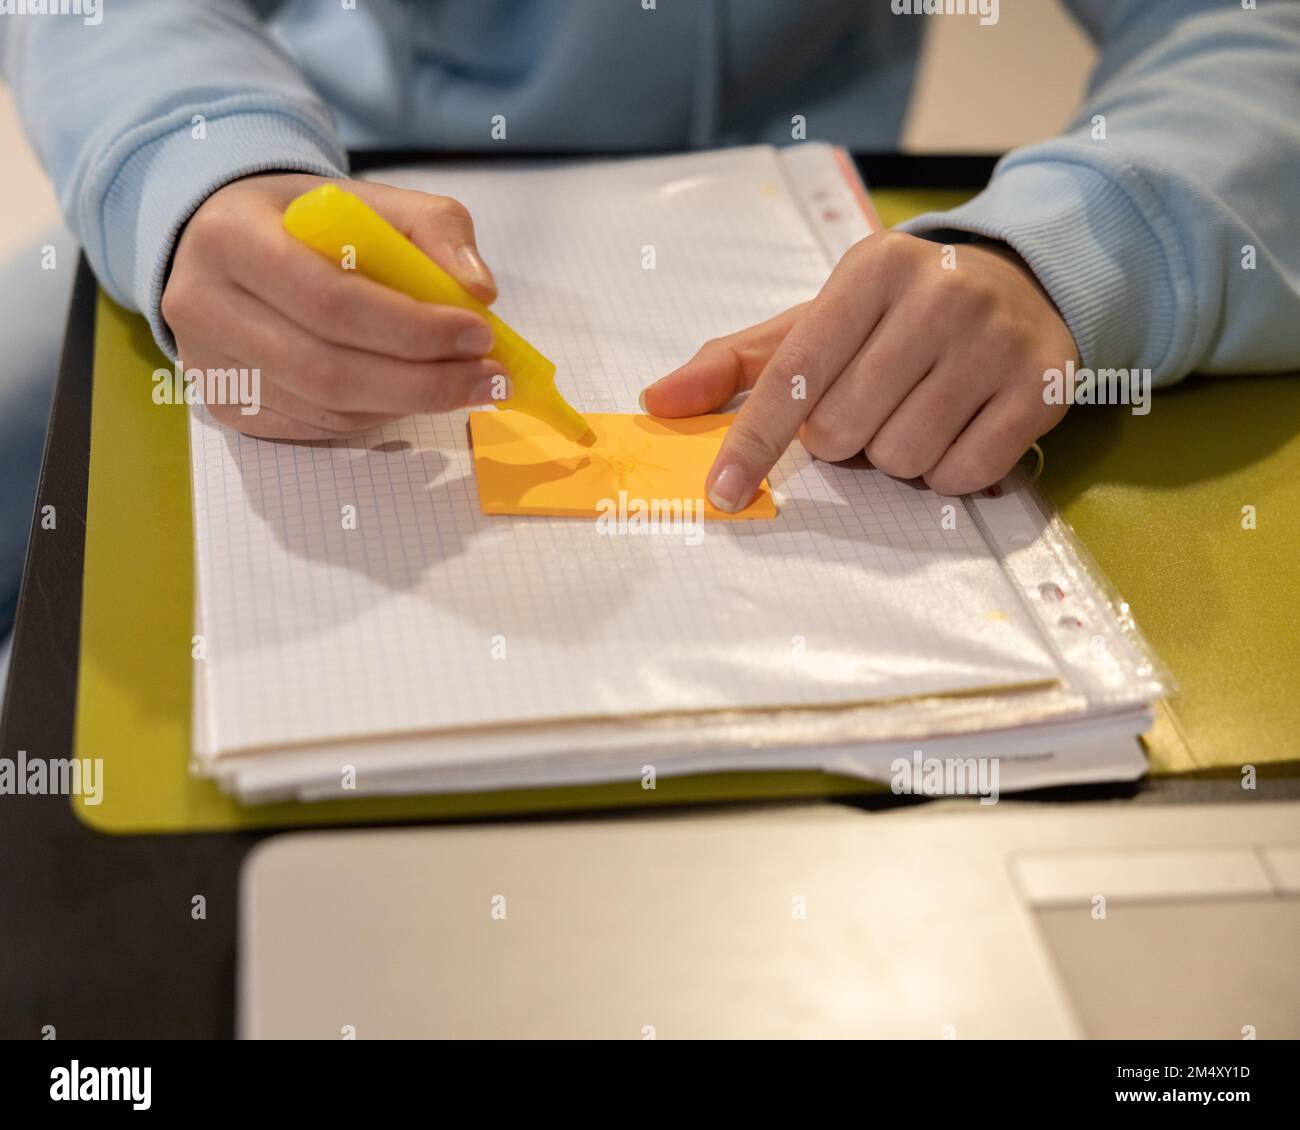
pixel 355 592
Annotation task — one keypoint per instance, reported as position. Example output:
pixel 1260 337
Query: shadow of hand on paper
pixel 532 475
pixel 862 505
pixel 399 517
pixel 360 504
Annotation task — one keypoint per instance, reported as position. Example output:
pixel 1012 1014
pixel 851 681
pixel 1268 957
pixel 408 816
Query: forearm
pixel 1163 222
pixel 141 117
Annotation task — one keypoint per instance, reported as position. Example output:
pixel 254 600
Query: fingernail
pixel 475 341
pixel 732 490
pixel 649 389
pixel 474 267
pixel 490 390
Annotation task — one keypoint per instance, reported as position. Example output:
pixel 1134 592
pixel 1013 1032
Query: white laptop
pixel 953 920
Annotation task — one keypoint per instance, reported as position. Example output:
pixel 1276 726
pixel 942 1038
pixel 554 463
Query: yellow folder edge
pixel 1211 610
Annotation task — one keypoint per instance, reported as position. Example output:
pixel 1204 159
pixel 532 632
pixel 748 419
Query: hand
pixel 933 372
pixel 338 353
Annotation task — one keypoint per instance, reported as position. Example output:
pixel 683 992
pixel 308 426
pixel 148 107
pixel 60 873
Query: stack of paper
pixel 369 629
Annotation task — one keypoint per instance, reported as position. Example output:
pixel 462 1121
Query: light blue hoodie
pixel 1165 222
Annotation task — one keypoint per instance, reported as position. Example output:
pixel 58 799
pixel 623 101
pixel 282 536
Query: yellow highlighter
pixel 328 219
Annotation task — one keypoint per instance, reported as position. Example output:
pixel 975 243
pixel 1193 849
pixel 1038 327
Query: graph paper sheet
pixel 354 588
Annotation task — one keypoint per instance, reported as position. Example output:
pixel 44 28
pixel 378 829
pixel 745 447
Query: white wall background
pixel 989 89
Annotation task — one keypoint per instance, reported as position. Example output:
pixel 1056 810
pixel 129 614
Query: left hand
pixel 934 372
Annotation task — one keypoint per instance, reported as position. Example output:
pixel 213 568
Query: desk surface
pixel 97 931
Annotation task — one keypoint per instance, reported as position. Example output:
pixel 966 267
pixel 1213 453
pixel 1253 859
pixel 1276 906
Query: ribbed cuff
pixel 159 186
pixel 1102 247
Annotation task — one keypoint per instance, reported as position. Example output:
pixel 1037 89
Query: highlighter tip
pixel 587 439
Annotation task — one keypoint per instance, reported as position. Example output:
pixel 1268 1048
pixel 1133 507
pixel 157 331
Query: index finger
pixel 817 349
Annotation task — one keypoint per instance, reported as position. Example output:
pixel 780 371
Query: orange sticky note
pixel 637 462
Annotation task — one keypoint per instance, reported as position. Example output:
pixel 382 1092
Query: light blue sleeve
pixel 1172 240
pixel 111 108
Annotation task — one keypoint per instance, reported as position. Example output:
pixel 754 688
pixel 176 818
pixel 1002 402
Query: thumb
pixel 720 369
pixel 442 228
pixel 707 381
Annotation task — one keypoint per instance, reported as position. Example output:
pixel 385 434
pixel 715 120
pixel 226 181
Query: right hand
pixel 338 353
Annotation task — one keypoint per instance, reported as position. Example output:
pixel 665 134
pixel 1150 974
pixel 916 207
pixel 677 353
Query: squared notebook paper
pixel 369 629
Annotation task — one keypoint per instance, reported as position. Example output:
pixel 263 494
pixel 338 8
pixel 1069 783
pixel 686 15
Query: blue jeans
pixel 33 312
